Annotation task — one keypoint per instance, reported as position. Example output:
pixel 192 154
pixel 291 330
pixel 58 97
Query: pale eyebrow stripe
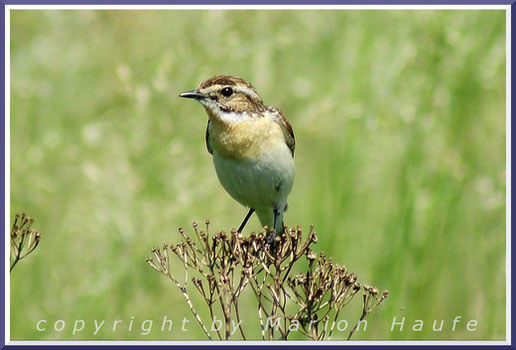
pixel 247 91
pixel 242 89
pixel 213 88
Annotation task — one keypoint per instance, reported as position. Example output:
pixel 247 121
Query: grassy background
pixel 400 122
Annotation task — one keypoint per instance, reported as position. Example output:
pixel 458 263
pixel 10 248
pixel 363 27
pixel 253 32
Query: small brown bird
pixel 252 147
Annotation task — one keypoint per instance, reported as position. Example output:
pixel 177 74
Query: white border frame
pixel 507 8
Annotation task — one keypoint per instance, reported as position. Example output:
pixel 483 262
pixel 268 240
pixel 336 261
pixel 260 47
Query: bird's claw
pixel 271 237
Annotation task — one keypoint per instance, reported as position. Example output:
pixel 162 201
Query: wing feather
pixel 208 140
pixel 288 133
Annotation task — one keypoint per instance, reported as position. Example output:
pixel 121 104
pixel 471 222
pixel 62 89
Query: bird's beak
pixel 196 94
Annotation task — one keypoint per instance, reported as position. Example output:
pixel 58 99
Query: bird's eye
pixel 227 91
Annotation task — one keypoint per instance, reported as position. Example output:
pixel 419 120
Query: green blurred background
pixel 400 124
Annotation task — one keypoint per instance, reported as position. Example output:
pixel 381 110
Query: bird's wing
pixel 208 141
pixel 288 133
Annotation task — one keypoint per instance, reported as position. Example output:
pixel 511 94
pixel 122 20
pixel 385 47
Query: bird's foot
pixel 273 240
pixel 271 237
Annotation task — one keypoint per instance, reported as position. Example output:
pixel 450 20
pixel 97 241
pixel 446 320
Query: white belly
pixel 259 184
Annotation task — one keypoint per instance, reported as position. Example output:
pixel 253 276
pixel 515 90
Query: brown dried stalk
pixel 370 301
pixel 229 264
pixel 24 239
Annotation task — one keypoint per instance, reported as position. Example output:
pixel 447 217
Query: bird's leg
pixel 273 234
pixel 276 215
pixel 251 211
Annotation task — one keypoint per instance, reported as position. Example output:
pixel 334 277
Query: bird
pixel 252 146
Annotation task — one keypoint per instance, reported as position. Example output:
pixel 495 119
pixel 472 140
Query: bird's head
pixel 227 97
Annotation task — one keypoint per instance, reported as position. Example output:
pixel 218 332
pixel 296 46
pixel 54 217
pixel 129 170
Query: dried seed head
pixel 301 278
pixel 310 255
pixel 152 264
pixel 340 271
pixel 228 252
pixel 157 254
pixel 351 278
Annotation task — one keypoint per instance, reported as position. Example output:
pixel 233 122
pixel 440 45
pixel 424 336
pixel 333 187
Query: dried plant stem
pixel 17 255
pixel 228 264
pixel 24 239
pixel 190 305
pixel 367 307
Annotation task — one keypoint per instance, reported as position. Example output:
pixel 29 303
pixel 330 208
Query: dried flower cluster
pixel 24 239
pixel 228 264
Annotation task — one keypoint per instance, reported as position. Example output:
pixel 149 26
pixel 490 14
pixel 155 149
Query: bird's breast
pixel 248 139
